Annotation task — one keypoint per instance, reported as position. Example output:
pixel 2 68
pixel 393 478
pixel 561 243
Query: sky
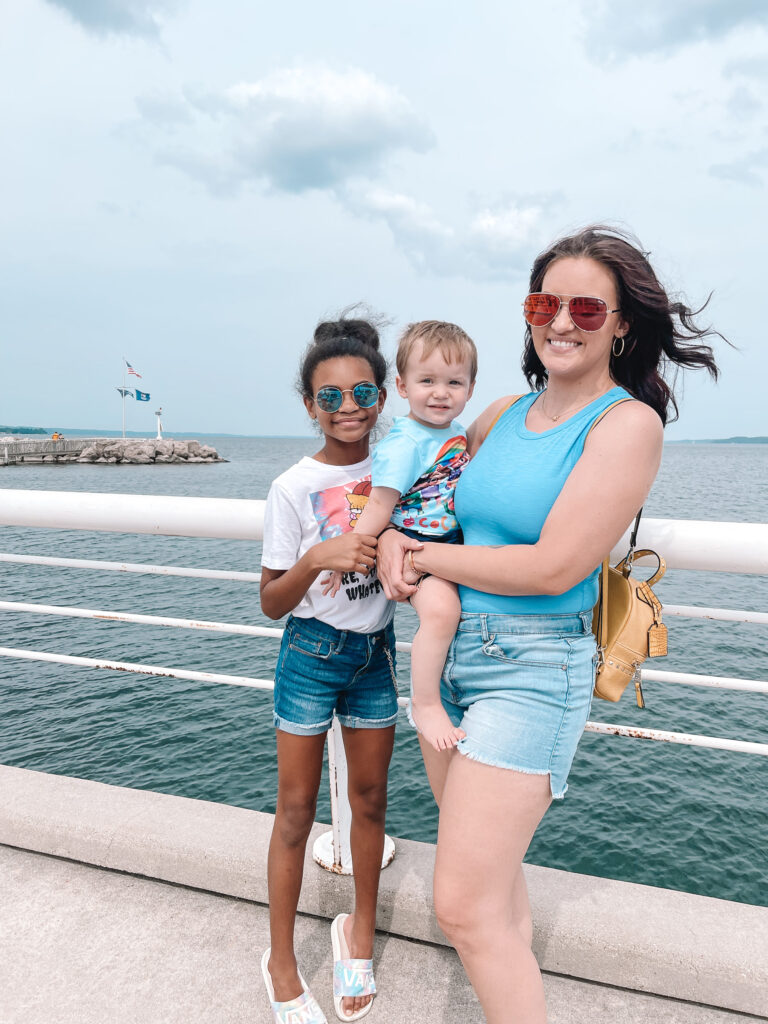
pixel 191 186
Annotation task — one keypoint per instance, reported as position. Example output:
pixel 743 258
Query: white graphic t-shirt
pixel 310 503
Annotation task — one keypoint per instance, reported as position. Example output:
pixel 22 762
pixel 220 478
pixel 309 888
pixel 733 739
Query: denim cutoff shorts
pixel 521 688
pixel 322 670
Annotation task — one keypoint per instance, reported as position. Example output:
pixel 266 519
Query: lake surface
pixel 663 815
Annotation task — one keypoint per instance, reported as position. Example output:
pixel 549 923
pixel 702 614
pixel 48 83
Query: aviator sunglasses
pixel 587 312
pixel 364 395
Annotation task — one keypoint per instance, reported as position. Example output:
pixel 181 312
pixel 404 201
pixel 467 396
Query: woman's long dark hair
pixel 661 331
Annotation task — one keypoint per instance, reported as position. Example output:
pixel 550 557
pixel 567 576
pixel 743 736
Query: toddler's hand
pixel 331 584
pixel 410 576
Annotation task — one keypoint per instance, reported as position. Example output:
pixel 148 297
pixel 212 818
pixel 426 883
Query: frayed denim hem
pixel 481 758
pixel 350 722
pixel 298 729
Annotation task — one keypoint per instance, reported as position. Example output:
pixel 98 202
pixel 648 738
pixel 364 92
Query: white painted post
pixel 159 413
pixel 332 850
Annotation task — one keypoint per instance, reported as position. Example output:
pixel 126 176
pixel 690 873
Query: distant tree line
pixel 22 430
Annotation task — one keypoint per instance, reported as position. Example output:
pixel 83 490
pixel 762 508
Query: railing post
pixel 332 850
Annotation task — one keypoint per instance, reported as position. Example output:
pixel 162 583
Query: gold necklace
pixel 573 408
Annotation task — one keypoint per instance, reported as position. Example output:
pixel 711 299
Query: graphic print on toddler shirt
pixel 431 497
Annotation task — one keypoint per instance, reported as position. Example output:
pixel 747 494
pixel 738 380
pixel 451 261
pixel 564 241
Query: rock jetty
pixel 141 453
pixel 104 450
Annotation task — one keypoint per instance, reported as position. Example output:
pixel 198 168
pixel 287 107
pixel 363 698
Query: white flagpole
pixel 123 396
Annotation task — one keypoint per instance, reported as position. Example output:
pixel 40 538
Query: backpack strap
pixel 601 630
pixel 499 414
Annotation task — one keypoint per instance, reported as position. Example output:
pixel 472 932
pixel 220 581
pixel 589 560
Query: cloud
pixel 742 104
pixel 628 28
pixel 164 111
pixel 301 128
pixel 749 170
pixel 103 17
pixel 312 128
pixel 496 243
pixel 748 67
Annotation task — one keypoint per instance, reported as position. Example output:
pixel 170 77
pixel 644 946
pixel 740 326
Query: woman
pixel 543 500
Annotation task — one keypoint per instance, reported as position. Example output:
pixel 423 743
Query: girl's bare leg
pixel 299 762
pixel 368 753
pixel 487 818
pixel 436 602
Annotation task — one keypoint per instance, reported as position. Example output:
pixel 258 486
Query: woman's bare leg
pixel 487 819
pixel 368 753
pixel 437 764
pixel 299 762
pixel 436 602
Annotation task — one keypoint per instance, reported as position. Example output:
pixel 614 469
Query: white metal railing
pixel 686 544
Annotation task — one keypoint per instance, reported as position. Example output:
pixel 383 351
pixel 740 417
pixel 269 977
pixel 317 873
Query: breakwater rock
pixel 136 451
pixel 103 450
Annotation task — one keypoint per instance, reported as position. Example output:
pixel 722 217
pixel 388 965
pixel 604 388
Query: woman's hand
pixel 393 547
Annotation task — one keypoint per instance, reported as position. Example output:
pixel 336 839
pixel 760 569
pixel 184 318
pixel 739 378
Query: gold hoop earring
pixel 621 350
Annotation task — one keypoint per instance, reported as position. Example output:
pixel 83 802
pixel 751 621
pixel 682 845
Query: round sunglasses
pixel 587 312
pixel 364 395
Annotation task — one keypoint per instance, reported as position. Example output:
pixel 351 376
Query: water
pixel 664 815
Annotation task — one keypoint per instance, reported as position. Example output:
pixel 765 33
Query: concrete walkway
pixel 84 945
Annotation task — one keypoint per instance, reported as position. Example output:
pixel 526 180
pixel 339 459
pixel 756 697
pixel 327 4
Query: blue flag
pixel 142 396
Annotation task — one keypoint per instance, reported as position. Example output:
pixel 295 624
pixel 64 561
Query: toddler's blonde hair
pixel 453 344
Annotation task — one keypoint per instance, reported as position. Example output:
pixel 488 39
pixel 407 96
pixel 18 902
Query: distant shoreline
pixel 183 434
pixel 96 432
pixel 725 440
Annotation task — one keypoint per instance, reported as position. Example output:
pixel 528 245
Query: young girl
pixel 337 655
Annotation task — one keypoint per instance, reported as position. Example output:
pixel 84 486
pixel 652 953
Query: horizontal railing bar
pixel 715 682
pixel 154 570
pixel 147 620
pixel 130 666
pixel 689 611
pixel 603 728
pixel 657 675
pixel 687 739
pixel 685 611
pixel 158 514
pixel 685 543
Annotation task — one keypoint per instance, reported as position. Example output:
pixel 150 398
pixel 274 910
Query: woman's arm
pixel 283 589
pixel 602 494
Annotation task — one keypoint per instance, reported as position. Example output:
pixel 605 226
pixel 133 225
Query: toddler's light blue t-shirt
pixel 423 464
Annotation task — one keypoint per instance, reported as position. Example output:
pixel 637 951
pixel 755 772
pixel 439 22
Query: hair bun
pixel 347 327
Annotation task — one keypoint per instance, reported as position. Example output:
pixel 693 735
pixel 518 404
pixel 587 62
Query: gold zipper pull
pixel 639 689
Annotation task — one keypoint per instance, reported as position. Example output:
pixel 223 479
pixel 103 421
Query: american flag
pixel 131 369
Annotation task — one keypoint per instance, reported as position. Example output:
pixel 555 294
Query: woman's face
pixel 564 350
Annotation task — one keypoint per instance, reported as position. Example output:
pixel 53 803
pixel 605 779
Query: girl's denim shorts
pixel 521 688
pixel 322 670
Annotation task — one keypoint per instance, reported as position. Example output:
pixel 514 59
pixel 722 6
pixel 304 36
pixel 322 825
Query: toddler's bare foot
pixel 435 726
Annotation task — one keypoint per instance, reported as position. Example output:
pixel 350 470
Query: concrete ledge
pixel 632 936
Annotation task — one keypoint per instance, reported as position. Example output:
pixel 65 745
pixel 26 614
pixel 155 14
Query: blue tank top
pixel 506 492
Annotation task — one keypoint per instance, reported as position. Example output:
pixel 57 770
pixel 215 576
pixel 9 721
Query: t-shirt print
pixel 429 502
pixel 336 509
